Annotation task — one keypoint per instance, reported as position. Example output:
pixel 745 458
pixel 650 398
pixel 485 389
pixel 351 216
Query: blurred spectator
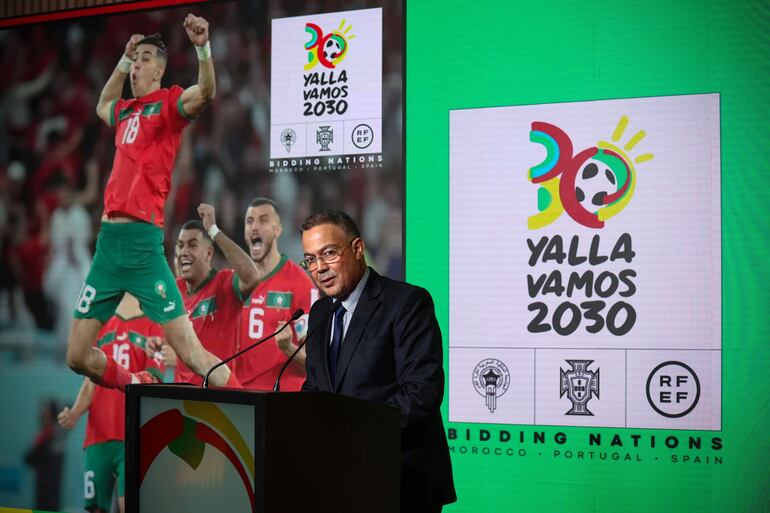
pixel 69 253
pixel 26 258
pixel 46 457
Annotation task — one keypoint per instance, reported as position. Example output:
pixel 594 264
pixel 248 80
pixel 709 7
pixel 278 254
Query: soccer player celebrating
pixel 213 299
pixel 129 251
pixel 284 288
pixel 125 337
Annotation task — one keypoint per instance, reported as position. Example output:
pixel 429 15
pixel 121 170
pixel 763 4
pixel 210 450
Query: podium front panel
pixel 192 454
pixel 195 450
pixel 205 450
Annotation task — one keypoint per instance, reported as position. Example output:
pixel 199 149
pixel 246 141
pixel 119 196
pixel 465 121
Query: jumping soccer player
pixel 129 251
pixel 284 288
pixel 125 336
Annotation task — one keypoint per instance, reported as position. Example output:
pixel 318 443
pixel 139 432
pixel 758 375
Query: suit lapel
pixel 367 305
pixel 323 340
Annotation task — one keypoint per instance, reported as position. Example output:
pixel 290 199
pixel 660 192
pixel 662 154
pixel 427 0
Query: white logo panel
pixel 491 385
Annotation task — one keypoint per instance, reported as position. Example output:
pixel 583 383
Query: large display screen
pixel 308 111
pixel 605 341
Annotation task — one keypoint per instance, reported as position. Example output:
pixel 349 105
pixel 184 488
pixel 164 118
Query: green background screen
pixel 497 53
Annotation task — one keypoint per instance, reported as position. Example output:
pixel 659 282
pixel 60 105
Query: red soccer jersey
pixel 147 136
pixel 124 340
pixel 278 296
pixel 213 308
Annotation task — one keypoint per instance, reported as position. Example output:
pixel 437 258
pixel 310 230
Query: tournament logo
pixel 491 379
pixel 580 385
pixel 329 49
pixel 592 186
pixel 288 138
pixel 324 136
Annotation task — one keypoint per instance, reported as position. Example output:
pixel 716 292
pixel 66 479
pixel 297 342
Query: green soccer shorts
pixel 105 466
pixel 129 258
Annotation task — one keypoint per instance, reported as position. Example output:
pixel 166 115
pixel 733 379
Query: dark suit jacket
pixel 392 354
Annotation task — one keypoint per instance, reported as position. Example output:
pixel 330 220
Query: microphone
pixel 296 315
pixel 277 384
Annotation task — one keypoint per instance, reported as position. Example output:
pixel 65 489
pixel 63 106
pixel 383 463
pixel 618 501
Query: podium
pixel 210 450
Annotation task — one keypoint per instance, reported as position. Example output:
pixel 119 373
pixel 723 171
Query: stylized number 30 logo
pixel 592 186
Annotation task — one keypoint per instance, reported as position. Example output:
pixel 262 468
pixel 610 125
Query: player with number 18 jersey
pixel 129 250
pixel 147 138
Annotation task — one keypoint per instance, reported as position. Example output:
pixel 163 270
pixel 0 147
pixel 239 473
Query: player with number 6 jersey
pixel 284 288
pixel 129 251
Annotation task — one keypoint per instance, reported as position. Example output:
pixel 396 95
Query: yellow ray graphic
pixel 638 136
pixel 622 124
pixel 342 24
pixel 216 418
pixel 644 158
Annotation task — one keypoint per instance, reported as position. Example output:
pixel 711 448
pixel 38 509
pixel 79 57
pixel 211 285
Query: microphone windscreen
pixel 296 315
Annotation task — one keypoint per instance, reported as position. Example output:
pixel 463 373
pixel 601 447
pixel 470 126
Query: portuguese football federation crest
pixel 580 385
pixel 324 136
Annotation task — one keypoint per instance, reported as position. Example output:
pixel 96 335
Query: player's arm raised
pixel 69 417
pixel 195 98
pixel 114 86
pixel 248 275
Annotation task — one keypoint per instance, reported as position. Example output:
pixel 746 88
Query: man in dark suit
pixel 381 342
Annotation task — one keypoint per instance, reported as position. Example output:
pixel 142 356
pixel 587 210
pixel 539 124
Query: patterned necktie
pixel 334 349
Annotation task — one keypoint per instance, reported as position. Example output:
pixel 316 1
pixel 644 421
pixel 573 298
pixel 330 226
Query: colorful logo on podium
pixel 189 436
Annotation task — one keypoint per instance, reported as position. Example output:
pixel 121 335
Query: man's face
pixel 339 278
pixel 147 69
pixel 261 229
pixel 193 256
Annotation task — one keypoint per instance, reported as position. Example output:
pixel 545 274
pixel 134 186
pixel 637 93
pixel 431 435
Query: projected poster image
pixel 327 90
pixel 590 294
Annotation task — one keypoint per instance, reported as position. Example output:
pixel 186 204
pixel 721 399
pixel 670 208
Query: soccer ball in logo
pixel 594 182
pixel 332 49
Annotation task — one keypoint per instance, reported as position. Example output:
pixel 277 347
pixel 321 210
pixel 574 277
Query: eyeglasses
pixel 328 256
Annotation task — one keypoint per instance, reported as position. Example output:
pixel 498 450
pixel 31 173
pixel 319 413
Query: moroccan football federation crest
pixel 580 385
pixel 288 138
pixel 491 379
